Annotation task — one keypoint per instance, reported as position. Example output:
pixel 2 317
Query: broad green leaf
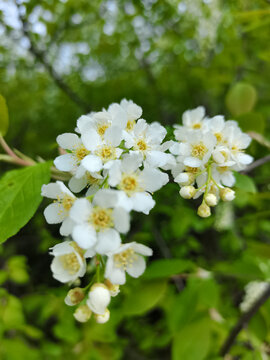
pixel 20 197
pixel 241 98
pixel 143 297
pixel 245 183
pixel 252 121
pixel 193 341
pixel 3 116
pixel 167 267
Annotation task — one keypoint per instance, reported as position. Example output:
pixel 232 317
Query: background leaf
pixel 3 116
pixel 20 197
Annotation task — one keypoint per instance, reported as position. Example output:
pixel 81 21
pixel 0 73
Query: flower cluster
pixel 114 163
pixel 207 152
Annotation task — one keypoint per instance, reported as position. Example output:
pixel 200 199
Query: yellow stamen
pixel 101 218
pixel 70 263
pixel 125 259
pixel 199 150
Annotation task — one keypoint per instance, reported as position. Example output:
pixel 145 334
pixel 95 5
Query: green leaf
pixel 245 183
pixel 3 116
pixel 192 342
pixel 20 197
pixel 167 267
pixel 143 297
pixel 241 98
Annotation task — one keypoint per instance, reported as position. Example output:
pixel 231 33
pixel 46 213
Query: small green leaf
pixel 143 297
pixel 167 267
pixel 241 98
pixel 3 116
pixel 192 342
pixel 20 197
pixel 245 183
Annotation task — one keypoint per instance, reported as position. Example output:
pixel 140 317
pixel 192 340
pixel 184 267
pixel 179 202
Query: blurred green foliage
pixel 167 56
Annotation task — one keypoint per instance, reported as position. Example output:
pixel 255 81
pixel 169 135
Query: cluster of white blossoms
pixel 253 291
pixel 207 151
pixel 114 163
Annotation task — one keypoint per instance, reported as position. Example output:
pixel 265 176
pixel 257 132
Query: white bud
pixel 99 298
pixel 185 178
pixel 82 313
pixel 113 288
pixel 101 319
pixel 74 296
pixel 227 194
pixel 187 192
pixel 204 210
pixel 211 199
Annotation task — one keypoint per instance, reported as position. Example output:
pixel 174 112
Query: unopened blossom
pixel 82 313
pixel 68 263
pixel 74 296
pixel 127 258
pixel 58 211
pixel 103 318
pixel 135 185
pixel 98 223
pixel 99 298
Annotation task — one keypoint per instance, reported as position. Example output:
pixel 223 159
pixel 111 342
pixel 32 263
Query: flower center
pixel 223 169
pixel 130 125
pixel 199 150
pixel 125 259
pixel 197 126
pixel 91 179
pixel 141 145
pixel 225 155
pixel 218 137
pixel 102 128
pixel 101 218
pixel 192 170
pixel 106 153
pixel 81 153
pixel 70 263
pixel 65 203
pixel 129 183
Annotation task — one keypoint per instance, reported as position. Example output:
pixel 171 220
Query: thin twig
pixel 256 163
pixel 11 153
pixel 41 57
pixel 243 321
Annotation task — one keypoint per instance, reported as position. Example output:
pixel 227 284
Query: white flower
pixel 135 184
pixel 127 258
pixel 223 175
pixel 237 142
pixel 90 180
pixel 102 319
pixel 146 140
pixel 68 263
pixel 193 119
pixel 98 223
pixel 133 111
pixel 104 150
pixel 253 290
pixel 99 298
pixel 82 313
pixel 58 211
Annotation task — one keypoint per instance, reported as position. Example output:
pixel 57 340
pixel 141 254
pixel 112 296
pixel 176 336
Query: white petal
pixel 108 241
pixel 121 220
pixel 244 158
pixel 106 198
pixel 156 158
pixel 92 190
pixel 65 162
pixel 91 140
pixel 92 163
pixel 115 173
pixel 68 141
pixel 80 210
pixel 143 202
pixel 82 122
pixel 115 275
pixel 62 248
pixel 137 268
pixel 119 117
pixel 192 162
pixel 54 213
pixel 113 136
pixel 131 162
pixel 153 179
pixel 67 226
pixel 91 252
pixel 142 249
pixel 77 184
pixel 84 235
pixel 228 179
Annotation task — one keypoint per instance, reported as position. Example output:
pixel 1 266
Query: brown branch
pixel 243 321
pixel 41 57
pixel 256 163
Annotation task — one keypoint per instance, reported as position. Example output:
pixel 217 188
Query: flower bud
pixel 227 194
pixel 99 298
pixel 185 178
pixel 211 199
pixel 204 210
pixel 74 296
pixel 102 319
pixel 187 192
pixel 82 313
pixel 113 288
